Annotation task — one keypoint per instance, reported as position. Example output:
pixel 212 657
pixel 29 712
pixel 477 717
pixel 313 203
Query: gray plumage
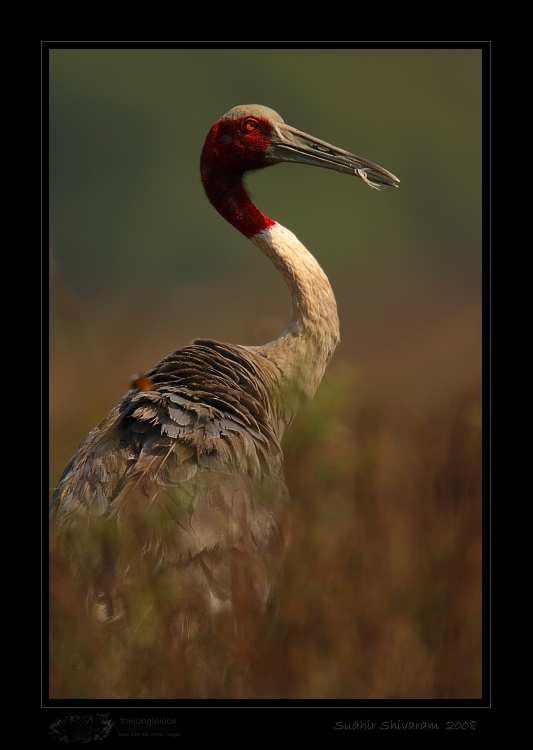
pixel 195 460
pixel 180 491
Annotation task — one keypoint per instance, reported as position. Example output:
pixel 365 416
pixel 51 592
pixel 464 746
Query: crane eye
pixel 251 125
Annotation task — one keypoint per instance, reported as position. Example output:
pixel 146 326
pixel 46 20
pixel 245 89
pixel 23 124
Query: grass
pixel 381 596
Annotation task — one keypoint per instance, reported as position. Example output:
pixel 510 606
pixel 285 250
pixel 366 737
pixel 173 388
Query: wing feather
pixel 178 500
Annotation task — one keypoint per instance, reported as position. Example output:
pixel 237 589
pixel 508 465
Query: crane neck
pixel 304 349
pixel 225 189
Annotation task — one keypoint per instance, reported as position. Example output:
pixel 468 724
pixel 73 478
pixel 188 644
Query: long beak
pixel 289 144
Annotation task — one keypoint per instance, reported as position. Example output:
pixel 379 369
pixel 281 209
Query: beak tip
pixel 379 178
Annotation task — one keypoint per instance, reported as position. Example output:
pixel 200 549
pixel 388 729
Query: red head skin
pixel 233 147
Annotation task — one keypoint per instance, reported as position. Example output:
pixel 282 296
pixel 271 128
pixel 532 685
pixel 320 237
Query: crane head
pixel 252 137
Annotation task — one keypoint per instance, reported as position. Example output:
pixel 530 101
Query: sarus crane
pixel 172 517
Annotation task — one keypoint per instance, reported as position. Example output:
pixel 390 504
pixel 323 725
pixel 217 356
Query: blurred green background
pixel 382 594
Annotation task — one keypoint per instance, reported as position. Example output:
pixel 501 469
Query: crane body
pixel 182 482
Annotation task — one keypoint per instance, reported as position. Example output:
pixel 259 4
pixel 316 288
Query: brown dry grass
pixel 381 597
